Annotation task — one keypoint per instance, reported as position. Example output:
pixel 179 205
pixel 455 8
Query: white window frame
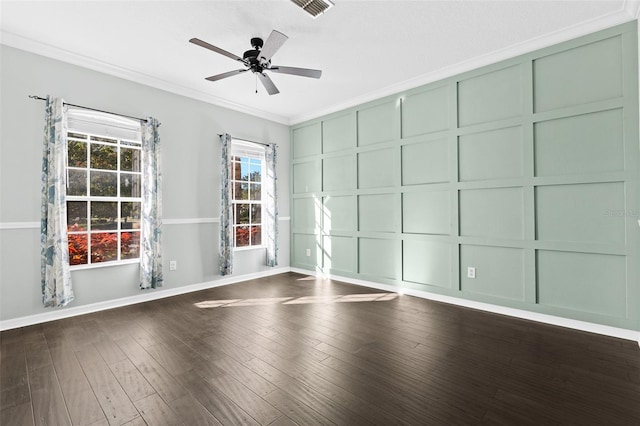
pixel 252 151
pixel 126 134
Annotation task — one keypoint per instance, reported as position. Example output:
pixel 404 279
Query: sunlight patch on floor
pixel 347 298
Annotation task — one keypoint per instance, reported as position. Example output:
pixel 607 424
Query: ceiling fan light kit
pixel 258 60
pixel 314 7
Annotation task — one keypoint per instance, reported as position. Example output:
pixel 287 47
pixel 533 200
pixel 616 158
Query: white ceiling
pixel 366 49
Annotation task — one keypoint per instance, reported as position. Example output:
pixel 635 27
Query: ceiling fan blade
pixel 302 72
pixel 274 42
pixel 225 75
pixel 216 49
pixel 268 84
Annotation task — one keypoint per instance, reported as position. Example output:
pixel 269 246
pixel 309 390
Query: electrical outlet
pixel 471 272
pixel 173 265
pixel 308 252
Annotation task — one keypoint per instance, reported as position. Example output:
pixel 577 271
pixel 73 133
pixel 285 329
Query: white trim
pixel 19 225
pixel 606 330
pixel 145 296
pixel 23 43
pixel 632 8
pixel 108 264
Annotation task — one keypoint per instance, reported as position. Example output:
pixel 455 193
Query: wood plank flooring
pixel 290 349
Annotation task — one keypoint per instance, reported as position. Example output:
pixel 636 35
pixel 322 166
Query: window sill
pixel 103 265
pixel 249 248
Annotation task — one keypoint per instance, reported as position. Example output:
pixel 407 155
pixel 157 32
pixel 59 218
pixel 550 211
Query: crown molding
pixel 49 51
pixel 628 12
pixel 632 8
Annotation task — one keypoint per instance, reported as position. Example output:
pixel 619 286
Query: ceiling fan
pixel 258 60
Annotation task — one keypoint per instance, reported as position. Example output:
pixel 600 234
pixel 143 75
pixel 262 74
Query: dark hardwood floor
pixel 291 349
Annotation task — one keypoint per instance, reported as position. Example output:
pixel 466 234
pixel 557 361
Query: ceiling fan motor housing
pixel 251 56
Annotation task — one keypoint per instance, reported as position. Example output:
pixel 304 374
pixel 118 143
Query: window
pixel 247 164
pixel 103 191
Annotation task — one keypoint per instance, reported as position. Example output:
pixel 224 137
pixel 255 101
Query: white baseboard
pixel 144 296
pixel 605 330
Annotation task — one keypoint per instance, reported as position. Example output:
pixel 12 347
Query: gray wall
pixel 190 167
pixel 527 170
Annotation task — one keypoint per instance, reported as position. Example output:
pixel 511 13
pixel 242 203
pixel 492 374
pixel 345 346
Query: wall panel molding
pixel 531 159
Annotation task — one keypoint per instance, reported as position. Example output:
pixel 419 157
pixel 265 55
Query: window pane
pixel 77 154
pixel 255 171
pixel 103 184
pixel 256 193
pixel 129 185
pixel 76 216
pixel 104 247
pixel 256 235
pixel 241 214
pixel 104 157
pixel 104 215
pixel 241 191
pixel 77 182
pixel 242 236
pixel 130 159
pixel 244 165
pixel 130 245
pixel 130 216
pixel 256 213
pixel 78 250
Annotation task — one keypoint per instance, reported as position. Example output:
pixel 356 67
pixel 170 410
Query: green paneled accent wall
pixel 527 170
pixel 425 162
pixel 582 144
pixel 427 212
pixel 477 159
pixel 427 262
pixel 338 173
pixel 386 217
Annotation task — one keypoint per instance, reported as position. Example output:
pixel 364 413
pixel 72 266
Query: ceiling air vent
pixel 314 7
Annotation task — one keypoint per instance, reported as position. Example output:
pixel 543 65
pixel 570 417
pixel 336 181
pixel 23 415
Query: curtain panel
pixel 226 212
pixel 271 205
pixel 57 289
pixel 151 216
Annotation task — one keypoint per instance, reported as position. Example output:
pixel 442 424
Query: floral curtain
pixel 57 290
pixel 271 206
pixel 226 213
pixel 151 219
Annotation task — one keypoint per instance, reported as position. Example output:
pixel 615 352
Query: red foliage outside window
pixel 104 247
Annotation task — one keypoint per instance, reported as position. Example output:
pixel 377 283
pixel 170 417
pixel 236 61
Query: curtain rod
pixel 40 98
pixel 247 140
